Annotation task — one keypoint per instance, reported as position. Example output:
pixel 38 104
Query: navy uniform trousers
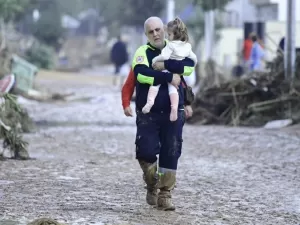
pixel 156 134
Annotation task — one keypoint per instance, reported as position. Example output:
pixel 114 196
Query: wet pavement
pixel 85 170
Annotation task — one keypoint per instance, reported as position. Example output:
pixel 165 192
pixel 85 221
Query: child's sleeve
pixel 193 57
pixel 165 54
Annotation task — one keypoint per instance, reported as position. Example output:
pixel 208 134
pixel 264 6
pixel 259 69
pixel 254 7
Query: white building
pixel 237 12
pixel 272 12
pixel 240 11
pixel 277 9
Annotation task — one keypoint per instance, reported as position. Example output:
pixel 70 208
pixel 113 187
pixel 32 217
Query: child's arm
pixel 165 54
pixel 128 89
pixel 193 57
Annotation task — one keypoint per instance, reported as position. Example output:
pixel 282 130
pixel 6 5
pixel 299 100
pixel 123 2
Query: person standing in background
pixel 256 56
pixel 119 57
pixel 247 50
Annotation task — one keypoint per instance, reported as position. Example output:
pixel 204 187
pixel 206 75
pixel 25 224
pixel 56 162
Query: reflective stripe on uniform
pixel 145 79
pixel 188 70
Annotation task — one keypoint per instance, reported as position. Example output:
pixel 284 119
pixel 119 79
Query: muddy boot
pixel 150 178
pixel 166 184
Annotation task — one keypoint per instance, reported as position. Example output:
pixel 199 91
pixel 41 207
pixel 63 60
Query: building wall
pixel 281 6
pixel 275 30
pixel 227 49
pixel 230 43
pixel 237 12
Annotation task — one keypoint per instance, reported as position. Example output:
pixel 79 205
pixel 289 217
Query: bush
pixel 40 55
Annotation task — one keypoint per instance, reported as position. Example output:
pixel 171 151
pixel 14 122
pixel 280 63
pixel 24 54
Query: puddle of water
pixel 80 221
pixel 4 182
pixel 295 206
pixel 47 123
pixel 67 178
pixel 9 222
pixel 41 155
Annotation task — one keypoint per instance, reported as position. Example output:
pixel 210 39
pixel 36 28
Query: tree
pixel 9 9
pixel 48 28
pixel 196 22
pixel 139 11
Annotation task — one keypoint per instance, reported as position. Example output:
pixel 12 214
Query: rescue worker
pixel 257 55
pixel 155 132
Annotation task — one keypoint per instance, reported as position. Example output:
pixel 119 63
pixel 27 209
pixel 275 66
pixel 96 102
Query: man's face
pixel 155 34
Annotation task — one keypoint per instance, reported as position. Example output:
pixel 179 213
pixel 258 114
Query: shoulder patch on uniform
pixel 140 59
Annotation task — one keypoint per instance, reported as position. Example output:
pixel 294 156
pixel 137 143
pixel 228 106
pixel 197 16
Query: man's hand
pixel 159 66
pixel 176 80
pixel 188 111
pixel 128 111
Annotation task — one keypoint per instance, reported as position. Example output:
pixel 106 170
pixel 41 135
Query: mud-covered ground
pixel 85 170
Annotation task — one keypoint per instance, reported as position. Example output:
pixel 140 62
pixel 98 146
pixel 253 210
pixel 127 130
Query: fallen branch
pixel 4 126
pixel 252 100
pixel 269 102
pixel 243 93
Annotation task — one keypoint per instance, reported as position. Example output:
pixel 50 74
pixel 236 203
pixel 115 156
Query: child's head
pixel 177 30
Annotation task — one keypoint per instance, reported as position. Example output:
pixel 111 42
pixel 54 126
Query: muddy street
pixel 85 170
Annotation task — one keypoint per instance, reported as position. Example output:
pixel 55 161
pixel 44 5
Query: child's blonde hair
pixel 179 29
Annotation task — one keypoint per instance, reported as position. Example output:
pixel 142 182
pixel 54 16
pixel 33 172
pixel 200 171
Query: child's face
pixel 170 35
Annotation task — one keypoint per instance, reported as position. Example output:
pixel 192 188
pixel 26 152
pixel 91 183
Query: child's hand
pixel 158 66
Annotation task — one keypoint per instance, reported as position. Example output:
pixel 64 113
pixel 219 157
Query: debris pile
pixel 251 101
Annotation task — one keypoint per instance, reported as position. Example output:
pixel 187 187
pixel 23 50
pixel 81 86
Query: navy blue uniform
pixel 155 132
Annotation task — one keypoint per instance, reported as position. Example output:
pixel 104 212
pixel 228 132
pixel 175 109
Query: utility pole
pixel 289 53
pixel 170 10
pixel 209 18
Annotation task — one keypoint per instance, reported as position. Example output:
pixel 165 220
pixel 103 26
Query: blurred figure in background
pixel 247 49
pixel 281 45
pixel 256 56
pixel 119 57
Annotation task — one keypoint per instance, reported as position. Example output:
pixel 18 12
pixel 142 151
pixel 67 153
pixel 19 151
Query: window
pixel 267 12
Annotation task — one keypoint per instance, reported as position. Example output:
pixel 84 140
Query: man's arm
pixel 128 89
pixel 184 67
pixel 144 74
